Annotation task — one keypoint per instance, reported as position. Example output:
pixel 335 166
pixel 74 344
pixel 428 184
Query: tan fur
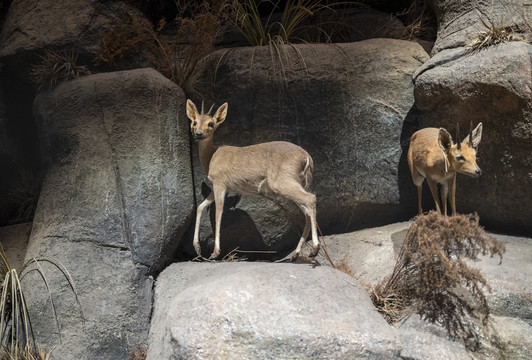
pixel 430 149
pixel 275 168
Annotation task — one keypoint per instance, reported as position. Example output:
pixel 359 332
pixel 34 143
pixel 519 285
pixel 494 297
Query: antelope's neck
pixel 206 151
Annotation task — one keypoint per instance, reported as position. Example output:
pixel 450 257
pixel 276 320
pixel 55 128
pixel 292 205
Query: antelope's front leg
pixel 452 194
pixel 219 198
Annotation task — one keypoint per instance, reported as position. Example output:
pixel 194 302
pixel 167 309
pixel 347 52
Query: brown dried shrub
pixel 138 353
pixel 432 278
pixel 55 67
pixel 176 54
pixel 26 353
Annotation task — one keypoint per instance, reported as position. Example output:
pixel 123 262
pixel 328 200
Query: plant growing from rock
pixel 419 20
pixel 431 276
pixel 27 353
pixel 138 353
pixel 55 67
pixel 176 54
pixel 280 32
pixel 493 35
pixel 16 335
pixel 246 19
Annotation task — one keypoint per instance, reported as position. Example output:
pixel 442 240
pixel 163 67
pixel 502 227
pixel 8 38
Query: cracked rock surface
pixel 116 199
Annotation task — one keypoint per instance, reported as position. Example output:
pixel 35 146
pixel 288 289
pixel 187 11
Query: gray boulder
pixel 116 200
pixel 32 26
pixel 265 311
pixel 284 311
pixel 348 105
pixel 424 341
pixel 369 254
pixel 459 22
pixel 491 86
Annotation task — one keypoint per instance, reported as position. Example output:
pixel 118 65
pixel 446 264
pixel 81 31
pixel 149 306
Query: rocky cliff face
pixel 115 202
pixel 120 183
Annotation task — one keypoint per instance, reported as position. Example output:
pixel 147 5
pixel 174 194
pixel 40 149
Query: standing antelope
pixel 270 169
pixel 434 156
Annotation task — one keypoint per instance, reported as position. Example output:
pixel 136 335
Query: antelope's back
pixel 249 166
pixel 424 151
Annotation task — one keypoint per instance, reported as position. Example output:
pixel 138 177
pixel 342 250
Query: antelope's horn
pixel 209 113
pixel 471 135
pixel 458 142
pixel 202 108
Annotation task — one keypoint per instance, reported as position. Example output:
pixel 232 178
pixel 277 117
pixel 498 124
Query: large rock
pixel 368 254
pixel 492 86
pixel 36 25
pixel 459 22
pixel 348 105
pixel 283 311
pixel 265 311
pixel 424 341
pixel 116 200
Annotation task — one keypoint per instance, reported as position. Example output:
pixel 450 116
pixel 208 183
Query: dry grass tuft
pixel 55 67
pixel 420 21
pixel 138 353
pixel 26 353
pixel 432 278
pixel 234 256
pixel 177 54
pixel 16 333
pixel 493 35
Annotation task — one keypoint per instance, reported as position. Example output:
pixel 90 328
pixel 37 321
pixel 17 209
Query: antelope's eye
pixel 460 158
pixel 211 124
pixel 195 123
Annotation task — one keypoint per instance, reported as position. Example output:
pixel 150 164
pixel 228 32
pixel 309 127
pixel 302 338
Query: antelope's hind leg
pixel 304 237
pixel 307 203
pixel 199 211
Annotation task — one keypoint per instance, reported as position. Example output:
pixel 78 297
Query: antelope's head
pixel 462 156
pixel 204 125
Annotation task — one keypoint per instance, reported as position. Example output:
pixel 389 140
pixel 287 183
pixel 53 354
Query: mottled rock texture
pixel 115 202
pixel 459 22
pixel 265 311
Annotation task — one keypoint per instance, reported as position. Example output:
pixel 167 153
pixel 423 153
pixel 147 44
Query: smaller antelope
pixel 270 169
pixel 433 156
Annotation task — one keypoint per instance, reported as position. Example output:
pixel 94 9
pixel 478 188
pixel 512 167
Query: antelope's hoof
pixel 214 255
pixel 295 257
pixel 314 252
pixel 198 250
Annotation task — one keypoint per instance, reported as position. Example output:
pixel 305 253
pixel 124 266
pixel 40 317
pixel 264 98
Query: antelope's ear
pixel 476 135
pixel 220 114
pixel 444 139
pixel 192 111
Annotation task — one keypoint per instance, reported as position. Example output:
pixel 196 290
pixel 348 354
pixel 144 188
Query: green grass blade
pixel 58 265
pixel 40 271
